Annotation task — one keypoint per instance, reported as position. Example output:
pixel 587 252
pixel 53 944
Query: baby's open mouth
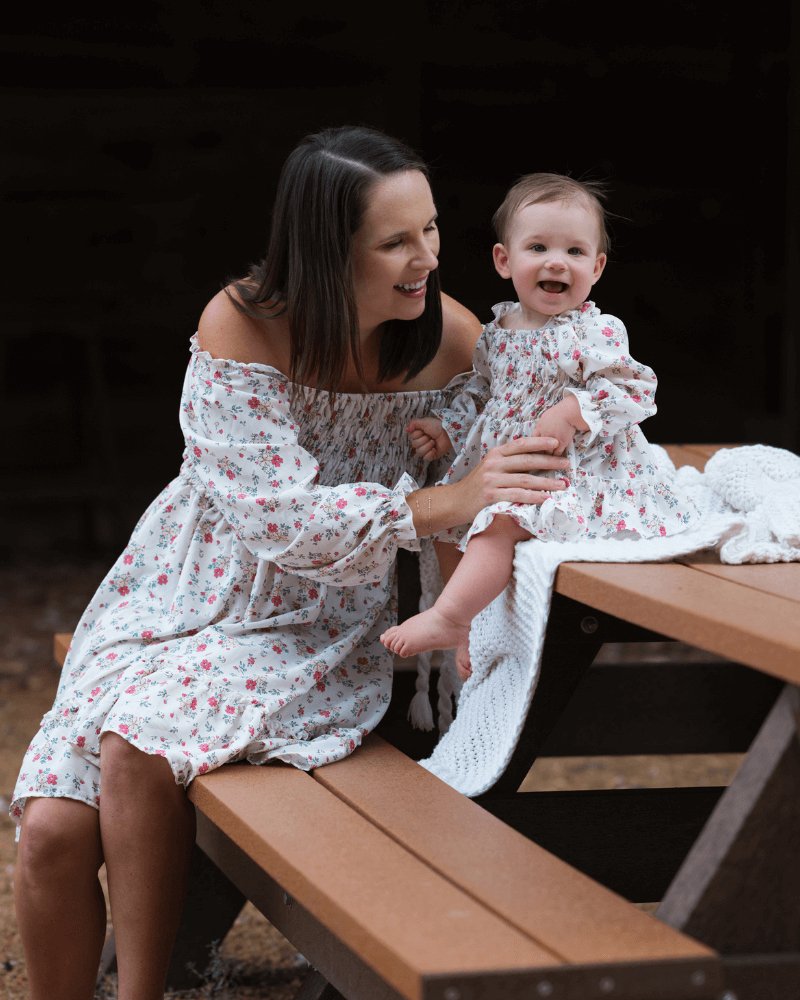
pixel 553 286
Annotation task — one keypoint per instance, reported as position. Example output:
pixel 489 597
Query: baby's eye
pixel 538 247
pixel 575 251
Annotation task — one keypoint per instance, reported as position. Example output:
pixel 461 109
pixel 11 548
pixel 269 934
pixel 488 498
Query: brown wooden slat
pixel 61 641
pixel 384 903
pixel 552 903
pixel 780 579
pixel 734 621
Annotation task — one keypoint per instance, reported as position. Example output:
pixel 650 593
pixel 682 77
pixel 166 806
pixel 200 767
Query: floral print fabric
pixel 617 487
pixel 241 622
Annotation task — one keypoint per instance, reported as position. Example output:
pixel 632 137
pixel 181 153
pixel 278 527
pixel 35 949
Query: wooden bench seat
pixel 427 894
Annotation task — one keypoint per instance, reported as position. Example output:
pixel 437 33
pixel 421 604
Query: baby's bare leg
pixel 481 574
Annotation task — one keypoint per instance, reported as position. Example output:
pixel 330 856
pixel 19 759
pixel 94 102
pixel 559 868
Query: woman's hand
pixel 511 472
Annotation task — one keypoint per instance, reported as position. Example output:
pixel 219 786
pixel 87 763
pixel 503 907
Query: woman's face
pixel 394 250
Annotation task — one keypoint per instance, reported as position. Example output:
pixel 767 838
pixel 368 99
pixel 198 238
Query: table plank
pixel 708 611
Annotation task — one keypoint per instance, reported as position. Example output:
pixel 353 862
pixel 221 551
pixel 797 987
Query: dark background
pixel 140 153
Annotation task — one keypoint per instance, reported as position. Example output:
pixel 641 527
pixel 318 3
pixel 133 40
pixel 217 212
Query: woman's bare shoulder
pixel 461 329
pixel 225 332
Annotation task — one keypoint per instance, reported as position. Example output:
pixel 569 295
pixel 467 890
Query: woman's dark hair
pixel 307 273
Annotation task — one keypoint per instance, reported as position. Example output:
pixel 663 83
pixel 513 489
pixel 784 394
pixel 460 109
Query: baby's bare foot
pixel 463 662
pixel 428 630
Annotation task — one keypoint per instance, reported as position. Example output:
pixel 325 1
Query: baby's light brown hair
pixel 533 189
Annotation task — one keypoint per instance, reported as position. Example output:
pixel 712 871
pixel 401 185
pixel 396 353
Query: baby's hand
pixel 560 422
pixel 428 438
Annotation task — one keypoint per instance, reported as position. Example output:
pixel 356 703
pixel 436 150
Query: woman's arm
pixel 511 472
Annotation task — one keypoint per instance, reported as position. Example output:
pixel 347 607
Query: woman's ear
pixel 500 258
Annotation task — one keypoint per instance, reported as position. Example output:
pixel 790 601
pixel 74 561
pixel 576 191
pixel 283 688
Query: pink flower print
pixel 320 685
pixel 252 402
pixel 52 779
pixel 213 702
pixel 197 452
pixel 111 656
pixel 123 728
pixel 95 692
pixel 203 768
pixel 204 747
pixel 662 530
pixel 147 634
pixel 80 741
pixel 576 355
pixel 602 394
pixel 636 399
pixel 230 709
pixel 341 504
pixel 277 600
pixel 123 590
pixel 130 690
pixel 261 501
pixel 186 681
pixel 205 664
pixel 219 571
pixel 212 599
pixel 275 649
pixel 193 704
pixel 162 578
pixel 629 492
pixel 230 474
pixel 620 525
pixel 127 558
pixel 333 632
pixel 207 537
pixel 250 684
pixel 360 491
pixel 313 593
pixel 202 646
pixel 277 461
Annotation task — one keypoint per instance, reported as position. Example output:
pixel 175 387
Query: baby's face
pixel 552 255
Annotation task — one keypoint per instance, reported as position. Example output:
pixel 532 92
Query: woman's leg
pixel 61 910
pixel 482 574
pixel 147 825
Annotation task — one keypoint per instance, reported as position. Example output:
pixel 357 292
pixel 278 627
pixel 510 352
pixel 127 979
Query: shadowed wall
pixel 142 151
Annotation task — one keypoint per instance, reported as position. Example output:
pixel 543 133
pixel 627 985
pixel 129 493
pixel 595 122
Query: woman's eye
pixel 431 228
pixel 393 245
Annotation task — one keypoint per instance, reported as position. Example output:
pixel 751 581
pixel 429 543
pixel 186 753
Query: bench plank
pixel 554 904
pixel 311 843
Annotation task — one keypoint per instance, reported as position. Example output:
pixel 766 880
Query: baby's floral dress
pixel 617 486
pixel 242 620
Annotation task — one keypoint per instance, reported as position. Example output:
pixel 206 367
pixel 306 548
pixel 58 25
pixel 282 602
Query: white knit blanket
pixel 750 499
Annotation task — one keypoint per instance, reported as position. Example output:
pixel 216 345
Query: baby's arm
pixel 562 422
pixel 429 439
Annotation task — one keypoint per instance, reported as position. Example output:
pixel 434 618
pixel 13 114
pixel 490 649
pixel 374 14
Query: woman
pixel 242 621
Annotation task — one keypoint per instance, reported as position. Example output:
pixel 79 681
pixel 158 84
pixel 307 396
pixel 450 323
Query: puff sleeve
pixel 469 396
pixel 243 452
pixel 613 390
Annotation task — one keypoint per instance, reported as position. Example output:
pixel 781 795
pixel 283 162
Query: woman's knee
pixel 59 836
pixel 127 770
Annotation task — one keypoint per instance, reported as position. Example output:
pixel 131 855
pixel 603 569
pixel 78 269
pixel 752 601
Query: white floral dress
pixel 617 487
pixel 242 619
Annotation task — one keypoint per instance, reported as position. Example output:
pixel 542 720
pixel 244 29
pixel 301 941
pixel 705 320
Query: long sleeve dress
pixel 617 487
pixel 242 620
